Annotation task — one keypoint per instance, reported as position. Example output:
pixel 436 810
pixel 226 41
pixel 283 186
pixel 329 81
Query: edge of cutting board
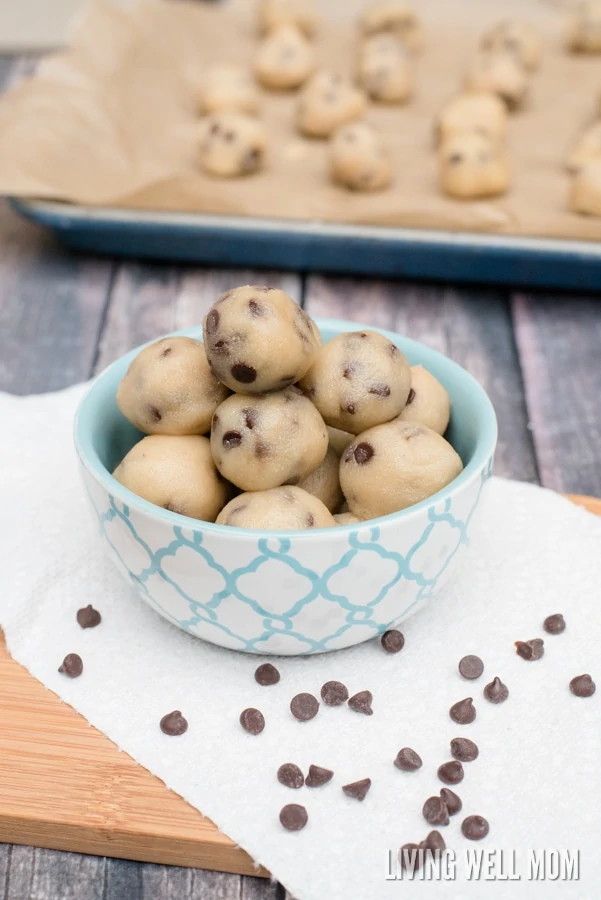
pixel 65 786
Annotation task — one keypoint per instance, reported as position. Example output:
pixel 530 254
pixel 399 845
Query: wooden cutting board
pixel 65 786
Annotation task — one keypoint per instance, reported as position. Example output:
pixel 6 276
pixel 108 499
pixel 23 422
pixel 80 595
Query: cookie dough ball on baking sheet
pixel 428 402
pixel 279 509
pixel 500 74
pixel 384 69
pixel 472 168
pixel 484 113
pixel 229 88
pixel 284 59
pixel 517 38
pixel 324 481
pixel 328 101
pixel 393 17
pixel 169 388
pixel 584 28
pixel 231 144
pixel 176 473
pixel 275 13
pixel 586 148
pixel 393 466
pixel 258 339
pixel 585 196
pixel 358 159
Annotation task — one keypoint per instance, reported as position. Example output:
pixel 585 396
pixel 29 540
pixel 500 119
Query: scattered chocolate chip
pixel 434 842
pixel 154 414
pixel 361 703
pixel 261 450
pixel 583 686
pixel 350 408
pixel 407 760
pixel 349 370
pixel 334 693
pixel 530 650
pixel 293 817
pixel 243 373
pixel 291 776
pixel 496 691
pixel 554 624
pixel 464 750
pixel 357 789
pixel 463 712
pixel 173 724
pixel 474 828
pixel 212 321
pixel 452 801
pixel 231 439
pixel 304 707
pixel 250 418
pixel 455 158
pixel 435 811
pixel 88 617
pixel 221 347
pixel 411 396
pixel 451 772
pixel 267 674
pixel 72 665
pixel 380 390
pixel 252 720
pixel 310 520
pixel 256 309
pixel 166 352
pixel 363 452
pixel 393 641
pixel 318 776
pixel 410 858
pixel 471 667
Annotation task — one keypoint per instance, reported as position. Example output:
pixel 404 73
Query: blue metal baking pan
pixel 318 246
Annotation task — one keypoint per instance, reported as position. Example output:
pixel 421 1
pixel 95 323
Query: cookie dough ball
pixel 585 197
pixel 232 144
pixel 258 339
pixel 326 102
pixel 517 38
pixel 275 13
pixel 359 379
pixel 285 59
pixel 484 113
pixel 428 402
pixel 279 509
pixel 384 69
pixel 346 518
pixel 176 473
pixel 587 148
pixel 395 18
pixel 229 88
pixel 324 481
pixel 501 74
pixel 339 440
pixel 394 466
pixel 265 440
pixel 170 389
pixel 359 160
pixel 472 168
pixel 584 28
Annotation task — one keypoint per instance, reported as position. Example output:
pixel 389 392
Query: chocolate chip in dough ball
pixel 176 473
pixel 328 101
pixel 284 60
pixel 169 388
pixel 359 379
pixel 587 148
pixel 230 88
pixel 584 28
pixel 358 159
pixel 261 441
pixel 384 69
pixel 231 144
pixel 585 196
pixel 324 482
pixel 258 339
pixel 393 17
pixel 500 74
pixel 484 113
pixel 279 509
pixel 393 466
pixel 273 14
pixel 519 39
pixel 428 402
pixel 339 440
pixel 472 168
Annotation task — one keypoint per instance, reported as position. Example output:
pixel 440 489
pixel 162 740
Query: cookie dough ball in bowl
pixel 261 441
pixel 428 402
pixel 472 167
pixel 231 144
pixel 279 509
pixel 384 69
pixel 500 74
pixel 587 148
pixel 585 196
pixel 328 101
pixel 169 388
pixel 394 466
pixel 324 481
pixel 176 473
pixel 358 159
pixel 339 440
pixel 517 38
pixel 359 379
pixel 393 17
pixel 273 14
pixel 285 59
pixel 228 88
pixel 258 339
pixel 484 113
pixel 346 518
pixel 584 28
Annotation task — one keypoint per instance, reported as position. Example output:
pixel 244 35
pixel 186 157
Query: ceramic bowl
pixel 297 592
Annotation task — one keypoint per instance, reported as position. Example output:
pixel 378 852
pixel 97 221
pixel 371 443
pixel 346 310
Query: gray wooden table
pixel 65 317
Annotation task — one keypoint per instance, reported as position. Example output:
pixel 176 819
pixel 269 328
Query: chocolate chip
pixel 88 617
pixel 252 720
pixel 357 789
pixel 393 641
pixel 471 667
pixel 349 370
pixel 410 858
pixel 363 452
pixel 361 703
pixel 291 776
pixel 256 309
pixel 452 801
pixel 250 418
pixel 334 693
pixel 318 776
pixel 554 624
pixel 455 159
pixel 304 707
pixel 212 321
pixel 380 390
pixel 464 750
pixel 435 811
pixel 243 373
pixel 166 352
pixel 463 712
pixel 231 439
pixel 154 414
pixel 474 828
pixel 293 817
pixel 434 842
pixel 496 691
pixel 451 772
pixel 350 408
pixel 173 724
pixel 72 665
pixel 261 450
pixel 310 520
pixel 267 674
pixel 407 760
pixel 583 686
pixel 221 347
pixel 411 396
pixel 530 650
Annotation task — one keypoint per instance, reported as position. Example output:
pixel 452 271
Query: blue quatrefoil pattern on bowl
pixel 283 596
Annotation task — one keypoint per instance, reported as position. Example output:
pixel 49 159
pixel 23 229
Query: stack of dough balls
pixel 262 426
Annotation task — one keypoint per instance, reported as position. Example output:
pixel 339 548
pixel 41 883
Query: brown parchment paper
pixel 112 120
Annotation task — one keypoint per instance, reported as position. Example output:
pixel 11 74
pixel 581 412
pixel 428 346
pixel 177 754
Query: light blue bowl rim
pixel 89 408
